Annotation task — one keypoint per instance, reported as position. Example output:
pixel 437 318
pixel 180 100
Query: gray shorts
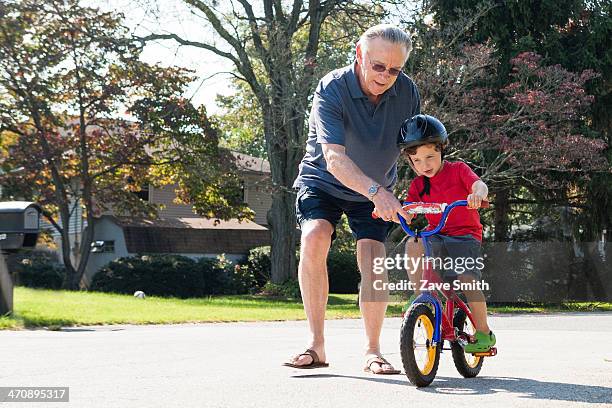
pixel 457 255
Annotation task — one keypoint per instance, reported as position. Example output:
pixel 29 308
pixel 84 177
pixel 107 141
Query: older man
pixel 349 168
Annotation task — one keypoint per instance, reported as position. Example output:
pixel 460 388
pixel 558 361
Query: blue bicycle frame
pixel 427 297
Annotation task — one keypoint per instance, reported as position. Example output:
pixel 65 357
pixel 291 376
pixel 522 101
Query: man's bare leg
pixel 314 286
pixel 372 303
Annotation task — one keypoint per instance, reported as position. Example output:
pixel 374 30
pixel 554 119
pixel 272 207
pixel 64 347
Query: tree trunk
pixel 85 250
pixel 281 218
pixel 65 238
pixel 284 131
pixel 591 270
pixel 502 209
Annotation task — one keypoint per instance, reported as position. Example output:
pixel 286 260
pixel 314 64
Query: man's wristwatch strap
pixel 373 190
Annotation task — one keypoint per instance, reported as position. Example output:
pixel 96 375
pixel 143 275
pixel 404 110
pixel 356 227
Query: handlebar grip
pixel 483 204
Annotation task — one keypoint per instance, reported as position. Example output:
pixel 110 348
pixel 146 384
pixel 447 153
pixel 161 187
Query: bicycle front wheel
pixel 420 356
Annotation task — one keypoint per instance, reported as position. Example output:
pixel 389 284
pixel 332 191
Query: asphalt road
pixel 555 360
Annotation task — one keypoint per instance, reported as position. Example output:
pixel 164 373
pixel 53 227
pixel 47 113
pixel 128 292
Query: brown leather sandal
pixel 381 361
pixel 315 363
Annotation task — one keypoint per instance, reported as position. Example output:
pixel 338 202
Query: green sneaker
pixel 484 342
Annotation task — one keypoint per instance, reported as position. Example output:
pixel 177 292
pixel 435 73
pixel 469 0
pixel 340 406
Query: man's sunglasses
pixel 381 68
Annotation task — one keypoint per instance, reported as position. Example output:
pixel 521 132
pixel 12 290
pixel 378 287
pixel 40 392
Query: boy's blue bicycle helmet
pixel 421 129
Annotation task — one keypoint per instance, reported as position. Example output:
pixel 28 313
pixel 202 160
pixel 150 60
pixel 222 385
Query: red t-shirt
pixel 452 183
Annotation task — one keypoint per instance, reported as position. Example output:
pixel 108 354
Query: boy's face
pixel 427 161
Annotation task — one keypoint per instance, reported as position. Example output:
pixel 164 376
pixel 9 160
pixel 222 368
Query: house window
pixel 100 247
pixel 143 194
pixel 243 189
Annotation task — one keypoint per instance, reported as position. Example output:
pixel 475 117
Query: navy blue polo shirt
pixel 342 114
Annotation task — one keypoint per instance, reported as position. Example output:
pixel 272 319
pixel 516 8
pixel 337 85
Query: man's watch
pixel 373 190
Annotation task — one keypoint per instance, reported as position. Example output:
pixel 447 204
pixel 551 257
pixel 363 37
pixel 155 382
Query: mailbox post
pixel 19 228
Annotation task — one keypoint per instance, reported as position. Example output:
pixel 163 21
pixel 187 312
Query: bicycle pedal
pixel 465 338
pixel 490 353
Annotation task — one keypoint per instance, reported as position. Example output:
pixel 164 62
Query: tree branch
pixel 243 63
pixel 182 41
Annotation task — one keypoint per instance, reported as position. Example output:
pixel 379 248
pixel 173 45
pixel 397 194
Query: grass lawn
pixel 52 309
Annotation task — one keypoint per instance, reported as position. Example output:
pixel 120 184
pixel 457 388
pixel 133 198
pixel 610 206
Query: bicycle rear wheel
pixel 467 364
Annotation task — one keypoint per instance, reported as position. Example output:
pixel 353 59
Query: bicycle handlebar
pixel 421 208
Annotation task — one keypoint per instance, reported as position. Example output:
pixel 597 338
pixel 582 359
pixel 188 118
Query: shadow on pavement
pixel 525 387
pixel 528 388
pixel 380 379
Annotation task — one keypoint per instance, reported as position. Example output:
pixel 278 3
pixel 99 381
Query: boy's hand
pixel 475 200
pixel 479 194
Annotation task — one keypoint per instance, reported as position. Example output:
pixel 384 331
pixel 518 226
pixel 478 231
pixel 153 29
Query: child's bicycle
pixel 427 323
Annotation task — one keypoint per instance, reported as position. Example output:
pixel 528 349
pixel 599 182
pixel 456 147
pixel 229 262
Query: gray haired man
pixel 350 167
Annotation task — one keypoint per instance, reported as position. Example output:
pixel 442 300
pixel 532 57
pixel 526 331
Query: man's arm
pixel 347 172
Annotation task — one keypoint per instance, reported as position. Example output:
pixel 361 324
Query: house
pixel 179 230
pixel 255 174
pixel 192 237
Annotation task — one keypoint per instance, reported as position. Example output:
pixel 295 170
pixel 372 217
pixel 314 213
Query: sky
pixel 144 17
pixel 171 16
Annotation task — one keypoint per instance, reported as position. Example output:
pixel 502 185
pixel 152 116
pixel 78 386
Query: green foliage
pixel 288 289
pixel 172 275
pixel 241 125
pixel 73 74
pixel 259 264
pixel 241 121
pixel 572 33
pixel 343 272
pixel 342 268
pixel 40 272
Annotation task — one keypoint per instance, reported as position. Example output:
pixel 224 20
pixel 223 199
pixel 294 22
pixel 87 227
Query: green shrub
pixel 173 275
pixel 243 280
pixel 158 275
pixel 343 272
pixel 259 264
pixel 40 272
pixel 289 289
pixel 224 278
pixel 342 269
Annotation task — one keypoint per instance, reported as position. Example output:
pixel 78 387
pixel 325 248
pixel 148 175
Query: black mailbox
pixel 19 228
pixel 19 225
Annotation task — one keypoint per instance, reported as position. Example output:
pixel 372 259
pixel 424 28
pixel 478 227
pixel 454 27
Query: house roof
pixel 244 161
pixel 251 163
pixel 190 223
pixel 191 235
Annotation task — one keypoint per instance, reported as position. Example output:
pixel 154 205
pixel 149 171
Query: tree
pixel 240 119
pixel 572 33
pixel 240 122
pixel 526 124
pixel 261 41
pixel 66 74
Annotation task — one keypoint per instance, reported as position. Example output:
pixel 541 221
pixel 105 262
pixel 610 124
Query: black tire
pixel 467 364
pixel 417 318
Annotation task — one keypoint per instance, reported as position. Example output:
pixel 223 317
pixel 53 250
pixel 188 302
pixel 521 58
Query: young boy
pixel 423 139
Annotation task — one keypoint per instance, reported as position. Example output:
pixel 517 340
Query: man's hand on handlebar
pixel 387 207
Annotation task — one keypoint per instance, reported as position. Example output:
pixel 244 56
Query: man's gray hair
pixel 387 32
